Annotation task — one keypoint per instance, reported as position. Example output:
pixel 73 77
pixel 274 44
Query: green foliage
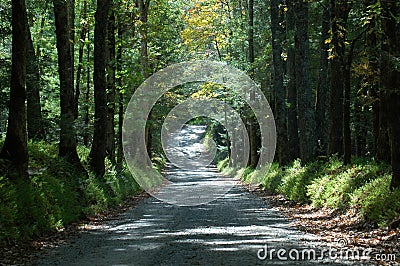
pixel 57 195
pixel 363 185
pixel 274 178
pixel 296 179
pixel 376 202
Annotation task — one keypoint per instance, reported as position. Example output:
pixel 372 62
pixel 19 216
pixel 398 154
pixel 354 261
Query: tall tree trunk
pixel 15 146
pixel 120 153
pixel 98 151
pixel 34 116
pixel 293 128
pixel 307 127
pixel 67 145
pixel 339 14
pixel 390 81
pixel 144 59
pixel 82 39
pixel 381 138
pixel 86 135
pixel 322 104
pixel 110 146
pixel 346 103
pixel 252 120
pixel 278 37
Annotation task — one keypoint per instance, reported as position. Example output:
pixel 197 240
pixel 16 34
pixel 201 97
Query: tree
pixel 98 150
pixel 390 81
pixel 67 145
pixel 293 128
pixel 307 127
pixel 34 116
pixel 339 14
pixel 111 89
pixel 82 39
pixel 322 103
pixel 15 146
pixel 278 37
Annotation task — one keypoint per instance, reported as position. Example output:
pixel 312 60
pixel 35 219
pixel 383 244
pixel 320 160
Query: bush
pixel 376 202
pixel 56 195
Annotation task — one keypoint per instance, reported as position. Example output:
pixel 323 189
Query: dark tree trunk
pixel 322 104
pixel 252 120
pixel 381 138
pixel 339 13
pixel 34 116
pixel 307 127
pixel 120 153
pixel 390 81
pixel 15 146
pixel 110 146
pixel 67 145
pixel 144 60
pixel 278 37
pixel 98 151
pixel 82 39
pixel 346 103
pixel 293 128
pixel 86 135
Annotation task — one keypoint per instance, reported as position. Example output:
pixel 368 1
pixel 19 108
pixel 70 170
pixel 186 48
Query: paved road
pixel 228 231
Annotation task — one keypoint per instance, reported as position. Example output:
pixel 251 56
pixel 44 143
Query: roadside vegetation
pixel 362 185
pixel 57 194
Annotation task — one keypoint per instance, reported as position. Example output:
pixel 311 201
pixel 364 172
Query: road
pixel 232 230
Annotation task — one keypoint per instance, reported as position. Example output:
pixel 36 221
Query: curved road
pixel 231 230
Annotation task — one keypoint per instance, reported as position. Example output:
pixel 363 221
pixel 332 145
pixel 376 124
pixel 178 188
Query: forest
pixel 68 68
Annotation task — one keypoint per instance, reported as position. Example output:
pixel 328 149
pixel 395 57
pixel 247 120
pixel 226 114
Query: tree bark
pixel 390 81
pixel 322 104
pixel 252 120
pixel 339 14
pixel 15 146
pixel 110 145
pixel 293 128
pixel 120 152
pixel 82 39
pixel 34 116
pixel 67 145
pixel 307 126
pixel 98 151
pixel 278 37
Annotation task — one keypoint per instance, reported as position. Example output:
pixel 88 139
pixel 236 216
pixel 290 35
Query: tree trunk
pixel 339 13
pixel 144 60
pixel 390 81
pixel 67 145
pixel 82 39
pixel 86 135
pixel 278 37
pixel 15 146
pixel 110 145
pixel 293 128
pixel 322 105
pixel 307 127
pixel 252 120
pixel 120 154
pixel 34 116
pixel 98 151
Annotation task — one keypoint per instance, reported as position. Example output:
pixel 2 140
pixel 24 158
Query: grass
pixel 56 195
pixel 363 185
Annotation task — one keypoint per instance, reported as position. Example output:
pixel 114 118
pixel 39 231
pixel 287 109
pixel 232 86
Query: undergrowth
pixel 363 185
pixel 57 195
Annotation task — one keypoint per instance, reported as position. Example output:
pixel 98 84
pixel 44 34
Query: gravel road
pixel 232 230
